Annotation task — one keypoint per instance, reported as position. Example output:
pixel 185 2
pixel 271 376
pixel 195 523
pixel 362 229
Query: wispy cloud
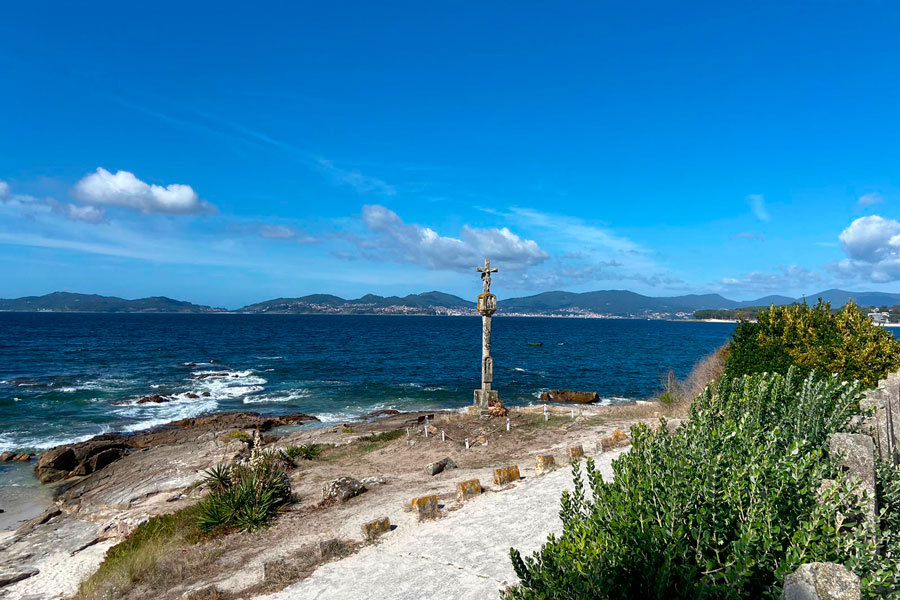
pixel 870 199
pixel 210 124
pixel 749 235
pixel 784 279
pixel 757 204
pixel 286 233
pixel 29 203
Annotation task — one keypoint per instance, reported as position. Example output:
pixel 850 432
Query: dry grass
pixel 298 566
pixel 679 394
pixel 136 562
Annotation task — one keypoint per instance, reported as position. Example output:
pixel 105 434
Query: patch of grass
pixel 536 421
pixel 303 452
pixel 241 436
pixel 348 429
pixel 364 445
pixel 135 559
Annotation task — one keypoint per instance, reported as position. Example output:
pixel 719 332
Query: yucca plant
pixel 249 498
pixel 218 477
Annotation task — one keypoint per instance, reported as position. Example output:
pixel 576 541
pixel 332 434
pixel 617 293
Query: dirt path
pixel 465 554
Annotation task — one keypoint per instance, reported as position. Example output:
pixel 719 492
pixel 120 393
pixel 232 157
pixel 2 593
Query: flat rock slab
pixel 462 556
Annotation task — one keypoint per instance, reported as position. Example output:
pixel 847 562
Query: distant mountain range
pixel 67 302
pixel 617 303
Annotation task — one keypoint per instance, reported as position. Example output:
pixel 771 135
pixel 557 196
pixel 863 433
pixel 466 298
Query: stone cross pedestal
pixel 487 306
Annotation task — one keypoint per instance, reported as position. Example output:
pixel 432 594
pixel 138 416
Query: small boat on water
pixel 535 343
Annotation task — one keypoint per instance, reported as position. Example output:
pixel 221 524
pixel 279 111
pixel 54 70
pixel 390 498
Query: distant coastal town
pixel 882 308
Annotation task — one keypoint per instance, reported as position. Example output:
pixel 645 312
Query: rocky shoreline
pixel 106 486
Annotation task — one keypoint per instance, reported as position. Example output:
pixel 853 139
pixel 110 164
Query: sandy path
pixel 463 555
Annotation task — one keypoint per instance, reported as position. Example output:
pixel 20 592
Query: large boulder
pixel 79 459
pixel 341 490
pixel 821 581
pixel 570 397
pixel 439 466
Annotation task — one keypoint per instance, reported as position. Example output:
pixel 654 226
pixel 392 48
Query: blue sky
pixel 227 153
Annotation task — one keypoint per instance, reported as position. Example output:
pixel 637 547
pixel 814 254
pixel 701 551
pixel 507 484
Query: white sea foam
pixel 278 397
pixel 270 357
pixel 519 369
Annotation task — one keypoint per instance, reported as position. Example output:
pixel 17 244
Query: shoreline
pixel 96 511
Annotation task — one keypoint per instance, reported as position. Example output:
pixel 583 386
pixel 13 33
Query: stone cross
pixel 487 306
pixel 486 271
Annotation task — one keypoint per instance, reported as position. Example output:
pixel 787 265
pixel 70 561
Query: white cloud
pixel 125 190
pixel 758 206
pixel 872 245
pixel 870 199
pixel 284 232
pixel 4 189
pixel 416 244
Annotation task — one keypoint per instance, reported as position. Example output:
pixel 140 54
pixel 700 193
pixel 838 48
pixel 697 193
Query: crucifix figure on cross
pixel 486 271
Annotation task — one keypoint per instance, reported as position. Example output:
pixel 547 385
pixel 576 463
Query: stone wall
pixel 880 424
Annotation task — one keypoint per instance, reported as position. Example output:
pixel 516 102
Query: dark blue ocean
pixel 65 377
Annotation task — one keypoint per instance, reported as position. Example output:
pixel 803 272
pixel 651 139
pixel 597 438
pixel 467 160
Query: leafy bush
pixel 246 500
pixel 724 509
pixel 814 339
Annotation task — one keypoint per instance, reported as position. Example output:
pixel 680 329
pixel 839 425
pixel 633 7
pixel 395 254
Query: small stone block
pixel 544 464
pixel 426 507
pixel 576 453
pixel 373 529
pixel 506 475
pixel 468 489
pixel 616 440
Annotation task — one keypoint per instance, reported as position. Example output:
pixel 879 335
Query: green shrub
pixel 247 500
pixel 724 509
pixel 814 339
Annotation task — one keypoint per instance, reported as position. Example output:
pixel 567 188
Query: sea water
pixel 67 377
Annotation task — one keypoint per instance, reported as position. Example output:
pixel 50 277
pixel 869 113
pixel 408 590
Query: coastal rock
pixel 78 459
pixel 821 581
pixel 373 480
pixel 10 577
pixel 570 397
pixel 191 395
pixel 341 490
pixel 15 456
pixel 385 412
pixel 496 408
pixel 439 466
pixel 154 399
